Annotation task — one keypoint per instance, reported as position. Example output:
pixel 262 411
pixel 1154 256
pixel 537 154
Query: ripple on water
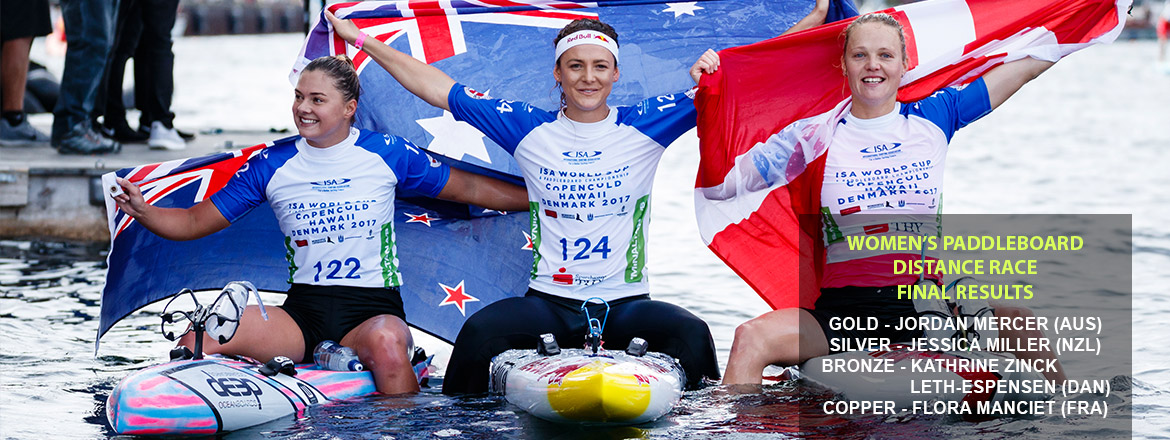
pixel 42 367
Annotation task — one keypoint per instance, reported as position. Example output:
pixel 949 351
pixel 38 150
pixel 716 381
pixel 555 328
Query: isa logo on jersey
pixel 331 185
pixel 581 157
pixel 881 151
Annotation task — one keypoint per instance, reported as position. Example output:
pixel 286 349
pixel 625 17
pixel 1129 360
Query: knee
pixel 188 340
pixel 780 326
pixel 750 335
pixel 480 328
pixel 392 340
pixel 387 340
pixel 383 357
pixel 692 328
pixel 1005 311
pixel 476 322
pixel 210 346
pixel 1014 312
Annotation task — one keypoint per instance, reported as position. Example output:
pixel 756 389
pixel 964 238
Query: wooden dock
pixel 48 195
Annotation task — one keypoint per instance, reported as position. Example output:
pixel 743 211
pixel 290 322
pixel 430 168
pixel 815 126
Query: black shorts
pixel 24 18
pixel 863 302
pixel 329 312
pixel 519 322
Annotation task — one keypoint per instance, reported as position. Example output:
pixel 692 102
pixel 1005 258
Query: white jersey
pixel 588 186
pixel 891 165
pixel 335 205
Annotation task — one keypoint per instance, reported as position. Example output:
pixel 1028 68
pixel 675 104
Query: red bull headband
pixel 587 37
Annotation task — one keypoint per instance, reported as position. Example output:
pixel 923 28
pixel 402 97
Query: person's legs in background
pixel 154 66
pixel 126 38
pixel 89 29
pixel 22 20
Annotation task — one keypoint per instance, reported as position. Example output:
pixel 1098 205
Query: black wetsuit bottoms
pixel 329 312
pixel 863 302
pixel 519 322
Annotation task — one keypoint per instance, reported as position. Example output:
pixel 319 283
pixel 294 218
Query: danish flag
pixel 762 216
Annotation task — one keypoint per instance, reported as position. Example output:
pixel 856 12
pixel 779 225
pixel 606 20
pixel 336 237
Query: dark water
pixel 52 384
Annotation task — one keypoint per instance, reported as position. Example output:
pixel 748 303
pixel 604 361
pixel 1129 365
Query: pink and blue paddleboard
pixel 218 394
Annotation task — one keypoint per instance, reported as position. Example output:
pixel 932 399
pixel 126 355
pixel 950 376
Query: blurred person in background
pixel 20 22
pixel 1163 28
pixel 89 32
pixel 144 33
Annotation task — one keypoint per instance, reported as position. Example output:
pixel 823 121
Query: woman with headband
pixel 589 168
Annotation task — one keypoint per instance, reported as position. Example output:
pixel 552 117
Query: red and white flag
pixel 760 211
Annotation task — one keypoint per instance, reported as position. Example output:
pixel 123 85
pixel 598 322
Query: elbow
pixel 1041 68
pixel 1034 68
pixel 514 198
pixel 179 235
pixel 819 13
pixel 520 207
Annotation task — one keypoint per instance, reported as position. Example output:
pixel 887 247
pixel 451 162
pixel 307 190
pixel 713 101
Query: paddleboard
pixel 575 385
pixel 896 378
pixel 217 394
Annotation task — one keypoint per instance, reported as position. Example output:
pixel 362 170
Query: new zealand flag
pixel 505 50
pixel 455 259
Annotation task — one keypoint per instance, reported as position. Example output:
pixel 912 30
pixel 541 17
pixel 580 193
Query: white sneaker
pixel 163 138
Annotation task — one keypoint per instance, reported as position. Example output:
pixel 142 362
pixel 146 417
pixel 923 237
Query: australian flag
pixel 504 49
pixel 454 258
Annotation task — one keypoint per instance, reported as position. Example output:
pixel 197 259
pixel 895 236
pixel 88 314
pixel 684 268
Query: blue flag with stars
pixel 505 50
pixel 457 259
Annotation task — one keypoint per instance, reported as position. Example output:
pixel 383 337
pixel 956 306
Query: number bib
pixel 588 186
pixel 335 205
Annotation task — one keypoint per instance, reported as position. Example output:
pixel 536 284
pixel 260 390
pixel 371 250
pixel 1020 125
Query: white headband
pixel 587 37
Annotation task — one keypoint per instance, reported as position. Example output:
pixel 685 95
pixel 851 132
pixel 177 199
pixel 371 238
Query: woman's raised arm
pixel 422 79
pixel 1003 81
pixel 815 18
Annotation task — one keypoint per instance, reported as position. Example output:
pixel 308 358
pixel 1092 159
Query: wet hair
pixel 582 24
pixel 880 18
pixel 340 69
pixel 586 24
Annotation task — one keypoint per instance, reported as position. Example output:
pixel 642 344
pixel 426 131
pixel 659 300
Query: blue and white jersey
pixel 588 185
pixel 335 205
pixel 891 165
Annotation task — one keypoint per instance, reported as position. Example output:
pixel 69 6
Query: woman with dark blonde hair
pixel 914 137
pixel 332 177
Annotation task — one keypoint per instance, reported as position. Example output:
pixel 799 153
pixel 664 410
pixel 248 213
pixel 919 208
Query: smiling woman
pixel 875 135
pixel 589 168
pixel 325 101
pixel 364 307
pixel 874 62
pixel 586 68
